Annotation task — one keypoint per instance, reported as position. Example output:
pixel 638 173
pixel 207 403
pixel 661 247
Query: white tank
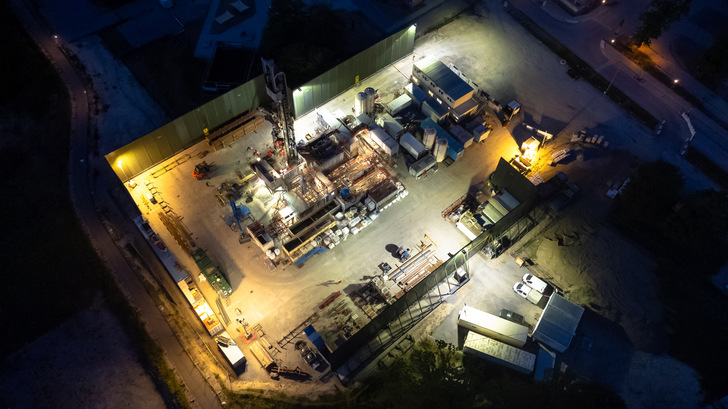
pixel 360 104
pixel 440 149
pixel 428 139
pixel 370 99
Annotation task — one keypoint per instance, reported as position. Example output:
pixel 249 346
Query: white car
pixel 521 289
pixel 535 282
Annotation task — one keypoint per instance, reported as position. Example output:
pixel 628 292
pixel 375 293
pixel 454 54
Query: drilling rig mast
pixel 275 84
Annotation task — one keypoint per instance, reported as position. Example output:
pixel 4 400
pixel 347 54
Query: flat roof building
pixel 444 85
pixel 558 323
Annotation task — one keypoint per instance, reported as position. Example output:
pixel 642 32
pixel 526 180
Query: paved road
pixel 583 37
pixel 85 205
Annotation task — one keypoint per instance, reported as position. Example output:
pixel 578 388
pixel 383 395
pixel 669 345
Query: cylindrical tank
pixel 428 138
pixel 360 103
pixel 370 99
pixel 440 149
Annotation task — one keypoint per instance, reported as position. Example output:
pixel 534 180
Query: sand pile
pixel 596 267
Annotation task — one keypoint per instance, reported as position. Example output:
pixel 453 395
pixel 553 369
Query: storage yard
pixel 329 238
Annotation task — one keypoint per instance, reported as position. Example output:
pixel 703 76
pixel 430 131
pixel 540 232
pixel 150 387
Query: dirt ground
pixel 86 362
pixel 624 345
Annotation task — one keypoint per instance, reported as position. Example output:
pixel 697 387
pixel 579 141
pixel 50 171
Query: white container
pixel 371 93
pixel 428 139
pixel 412 145
pixel 440 149
pixel 360 103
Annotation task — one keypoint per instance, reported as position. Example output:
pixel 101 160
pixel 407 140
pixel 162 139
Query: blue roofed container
pixel 463 136
pixel 434 110
pixel 417 94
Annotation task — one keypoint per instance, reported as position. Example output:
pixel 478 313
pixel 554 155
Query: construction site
pixel 312 234
pixel 318 227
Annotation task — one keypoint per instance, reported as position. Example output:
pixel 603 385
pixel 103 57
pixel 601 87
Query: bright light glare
pixel 118 164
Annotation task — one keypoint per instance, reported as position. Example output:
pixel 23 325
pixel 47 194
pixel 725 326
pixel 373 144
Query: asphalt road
pixel 583 37
pixel 85 205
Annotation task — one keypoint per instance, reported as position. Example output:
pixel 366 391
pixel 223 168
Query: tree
pixel 658 18
pixel 700 224
pixel 651 193
pixel 304 40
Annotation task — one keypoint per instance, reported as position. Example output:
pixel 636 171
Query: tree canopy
pixel 658 18
pixel 652 192
pixel 303 39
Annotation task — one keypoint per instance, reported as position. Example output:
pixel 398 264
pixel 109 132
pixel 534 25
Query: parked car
pixel 521 289
pixel 512 316
pixel 535 282
pixel 529 293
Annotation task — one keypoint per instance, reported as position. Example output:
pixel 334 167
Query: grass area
pixel 587 72
pixel 50 269
pixel 707 167
pixel 645 62
pixel 435 374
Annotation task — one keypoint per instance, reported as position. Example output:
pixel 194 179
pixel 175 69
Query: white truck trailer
pixel 412 145
pixel 493 326
pixel 499 353
pixel 230 350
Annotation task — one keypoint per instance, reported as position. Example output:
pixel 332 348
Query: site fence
pixel 159 145
pixel 347 74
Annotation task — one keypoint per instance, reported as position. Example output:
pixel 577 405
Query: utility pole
pixel 613 77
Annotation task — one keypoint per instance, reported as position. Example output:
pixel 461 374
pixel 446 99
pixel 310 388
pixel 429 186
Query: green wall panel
pixel 185 131
pixel 340 78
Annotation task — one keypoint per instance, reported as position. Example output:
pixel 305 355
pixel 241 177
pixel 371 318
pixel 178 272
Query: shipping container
pixel 390 125
pixel 499 353
pixel 230 350
pixel 398 105
pixel 412 145
pixel 464 137
pixel 493 326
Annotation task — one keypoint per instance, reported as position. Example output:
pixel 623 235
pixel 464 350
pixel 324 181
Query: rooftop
pixel 444 77
pixel 558 323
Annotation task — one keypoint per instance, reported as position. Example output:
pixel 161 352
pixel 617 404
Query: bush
pixel 651 193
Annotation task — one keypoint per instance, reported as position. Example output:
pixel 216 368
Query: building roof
pixel 444 77
pixel 558 323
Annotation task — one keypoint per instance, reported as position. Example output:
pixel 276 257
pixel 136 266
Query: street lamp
pixel 118 165
pixel 613 77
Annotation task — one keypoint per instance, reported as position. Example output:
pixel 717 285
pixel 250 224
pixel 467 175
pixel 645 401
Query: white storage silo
pixel 428 139
pixel 370 99
pixel 440 149
pixel 360 103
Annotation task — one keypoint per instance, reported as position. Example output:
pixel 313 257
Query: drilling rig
pixel 283 133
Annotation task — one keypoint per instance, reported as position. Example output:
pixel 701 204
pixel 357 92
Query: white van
pixel 535 282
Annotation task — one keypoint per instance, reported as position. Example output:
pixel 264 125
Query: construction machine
pixel 201 170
